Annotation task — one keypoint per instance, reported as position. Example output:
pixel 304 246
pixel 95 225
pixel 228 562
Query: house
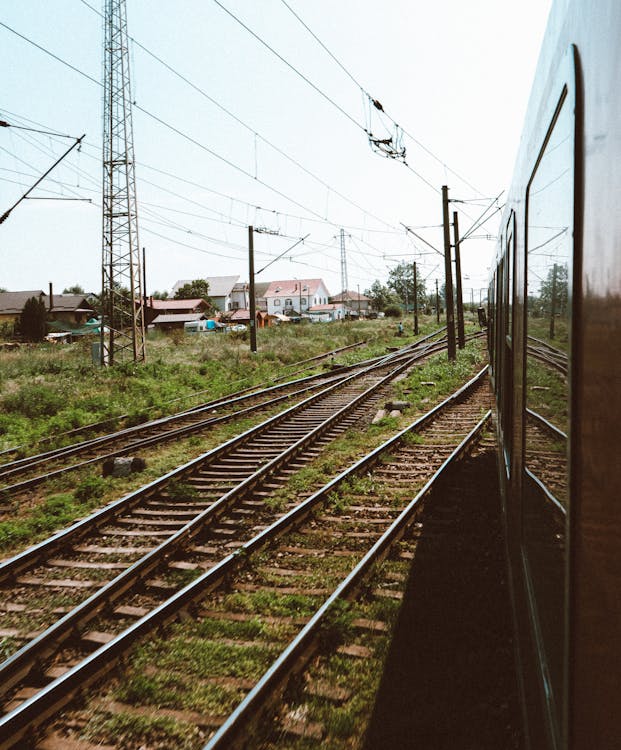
pixel 327 313
pixel 165 322
pixel 69 309
pixel 157 307
pixel 224 291
pixel 356 303
pixel 294 296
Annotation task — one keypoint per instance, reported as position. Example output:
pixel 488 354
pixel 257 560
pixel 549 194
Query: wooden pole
pixel 415 302
pixel 253 312
pixel 461 336
pixel 448 273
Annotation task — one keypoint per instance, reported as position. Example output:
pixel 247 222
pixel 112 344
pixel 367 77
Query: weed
pixel 179 491
pixel 90 488
pixel 336 626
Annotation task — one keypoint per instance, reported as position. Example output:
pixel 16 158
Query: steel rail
pixel 35 711
pixel 19 664
pixel 240 397
pixel 178 432
pixel 235 728
pixel 543 422
pixel 102 439
pixel 15 565
pixel 118 418
pixel 175 432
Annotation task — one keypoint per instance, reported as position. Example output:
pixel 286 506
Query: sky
pixel 245 139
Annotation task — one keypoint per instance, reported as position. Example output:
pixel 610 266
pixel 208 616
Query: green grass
pixel 54 512
pixel 47 389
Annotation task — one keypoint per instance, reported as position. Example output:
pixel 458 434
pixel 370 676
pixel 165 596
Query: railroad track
pixel 546 458
pixel 21 475
pixel 207 496
pixel 116 420
pixel 309 549
pixel 550 355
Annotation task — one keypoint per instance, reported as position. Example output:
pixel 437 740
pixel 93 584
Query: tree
pixel 196 289
pixel 401 282
pixel 554 289
pixel 160 295
pixel 75 289
pixel 33 320
pixel 380 296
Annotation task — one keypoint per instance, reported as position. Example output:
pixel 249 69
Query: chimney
pixel 51 297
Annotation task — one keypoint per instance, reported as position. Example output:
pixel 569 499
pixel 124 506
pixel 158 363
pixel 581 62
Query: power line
pixel 378 106
pixel 180 133
pixel 241 122
pixel 292 67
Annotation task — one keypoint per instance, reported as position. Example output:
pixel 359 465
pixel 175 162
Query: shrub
pixel 32 321
pixel 393 311
pixel 35 400
pixel 89 488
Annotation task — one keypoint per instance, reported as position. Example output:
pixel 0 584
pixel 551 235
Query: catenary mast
pixel 123 335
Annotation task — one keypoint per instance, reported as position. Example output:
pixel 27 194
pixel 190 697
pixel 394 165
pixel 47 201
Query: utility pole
pixel 144 277
pixel 358 301
pixel 253 312
pixel 448 272
pixel 415 302
pixel 122 329
pixel 461 336
pixel 437 303
pixel 553 302
pixel 343 265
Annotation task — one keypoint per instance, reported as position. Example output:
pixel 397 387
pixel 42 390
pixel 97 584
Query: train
pixel 554 310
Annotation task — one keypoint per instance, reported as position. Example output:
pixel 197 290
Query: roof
pixel 293 288
pixel 261 287
pixel 241 314
pixel 177 318
pixel 177 304
pixel 13 302
pixel 348 296
pixel 69 302
pixel 219 286
pixel 326 308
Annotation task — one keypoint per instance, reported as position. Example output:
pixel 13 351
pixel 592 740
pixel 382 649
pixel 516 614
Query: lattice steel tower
pixel 122 337
pixel 343 264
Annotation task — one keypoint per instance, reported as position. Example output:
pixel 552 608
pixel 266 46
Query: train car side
pixel 555 320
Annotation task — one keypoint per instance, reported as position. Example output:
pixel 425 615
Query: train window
pixel 549 246
pixel 506 407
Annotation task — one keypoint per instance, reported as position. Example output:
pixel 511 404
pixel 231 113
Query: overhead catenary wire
pixel 381 109
pixel 177 131
pixel 241 122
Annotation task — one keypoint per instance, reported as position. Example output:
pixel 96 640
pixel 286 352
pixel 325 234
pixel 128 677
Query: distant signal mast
pixel 122 332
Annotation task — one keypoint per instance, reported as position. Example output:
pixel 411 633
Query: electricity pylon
pixel 122 330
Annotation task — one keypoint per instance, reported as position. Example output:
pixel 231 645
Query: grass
pixel 47 389
pixel 54 512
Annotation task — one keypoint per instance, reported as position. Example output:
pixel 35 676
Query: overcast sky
pixel 454 75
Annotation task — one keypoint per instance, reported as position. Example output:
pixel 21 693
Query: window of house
pixel 302 300
pixel 276 302
pixel 288 302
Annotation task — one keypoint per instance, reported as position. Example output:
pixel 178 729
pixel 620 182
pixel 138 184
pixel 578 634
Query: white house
pixel 224 291
pixel 327 313
pixel 356 303
pixel 294 296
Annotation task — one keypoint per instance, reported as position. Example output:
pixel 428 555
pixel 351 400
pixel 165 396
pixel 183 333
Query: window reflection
pixel 546 485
